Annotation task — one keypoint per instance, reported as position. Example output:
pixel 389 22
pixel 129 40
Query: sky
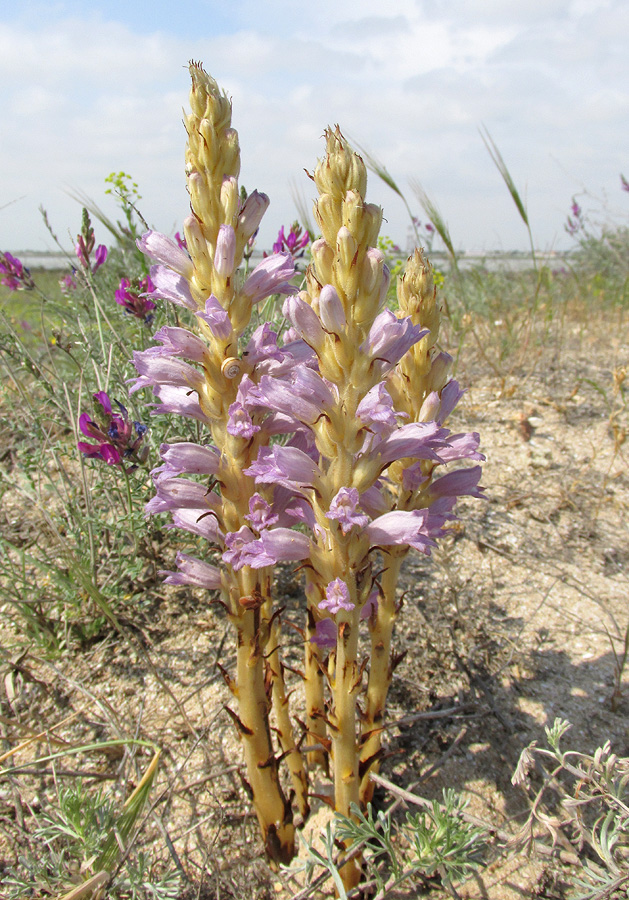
pixel 95 86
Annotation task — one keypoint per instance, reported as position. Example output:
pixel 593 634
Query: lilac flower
pixel 170 285
pixel 194 572
pixel 178 342
pixel 344 508
pixel 416 528
pixel 287 466
pixel 181 241
pixel 199 521
pixel 261 513
pixel 225 251
pixel 216 317
pixel 376 410
pixel 390 338
pixel 173 494
pixel 305 396
pixel 240 423
pixel 461 446
pixel 118 438
pixel 167 252
pixel 244 549
pixel 304 319
pixel 15 276
pixel 463 482
pixel 336 597
pixel 271 276
pixel 285 545
pixel 180 401
pixel 331 310
pixel 135 302
pixel 184 457
pixel 160 371
pixel 251 214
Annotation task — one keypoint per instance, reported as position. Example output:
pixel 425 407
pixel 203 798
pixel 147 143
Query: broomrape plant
pixel 327 447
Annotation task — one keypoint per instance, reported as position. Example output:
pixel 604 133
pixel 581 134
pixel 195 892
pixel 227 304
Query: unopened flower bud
pixel 439 371
pixel 331 310
pixel 323 256
pixel 251 214
pixel 229 198
pixel 346 246
pixel 225 251
pixel 195 239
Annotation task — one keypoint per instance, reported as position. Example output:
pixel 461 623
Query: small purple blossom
pixel 135 300
pixel 390 338
pixel 575 222
pixel 336 597
pixel 295 242
pixel 118 438
pixel 271 276
pixel 83 249
pixel 261 513
pixel 167 252
pixel 68 282
pixel 14 275
pixel 344 507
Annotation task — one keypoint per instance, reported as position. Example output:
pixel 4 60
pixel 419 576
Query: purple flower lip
pixel 336 597
pixel 343 508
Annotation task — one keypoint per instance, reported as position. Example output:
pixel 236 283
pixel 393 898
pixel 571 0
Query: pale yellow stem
pixel 380 672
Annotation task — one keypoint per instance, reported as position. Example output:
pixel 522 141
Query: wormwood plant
pixel 436 842
pixel 84 844
pixel 582 802
pixel 324 445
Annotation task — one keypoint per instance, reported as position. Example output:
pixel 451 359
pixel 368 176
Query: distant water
pixel 514 262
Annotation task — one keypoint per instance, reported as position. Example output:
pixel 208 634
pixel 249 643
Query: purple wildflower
pixel 68 282
pixel 194 572
pixel 295 242
pixel 336 597
pixel 344 508
pixel 15 276
pixel 83 249
pixel 118 438
pixel 135 301
pixel 271 276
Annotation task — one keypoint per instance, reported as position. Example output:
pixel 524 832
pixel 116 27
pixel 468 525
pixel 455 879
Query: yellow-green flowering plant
pixel 360 395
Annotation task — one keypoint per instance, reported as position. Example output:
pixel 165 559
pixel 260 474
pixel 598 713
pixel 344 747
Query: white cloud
pixel 86 96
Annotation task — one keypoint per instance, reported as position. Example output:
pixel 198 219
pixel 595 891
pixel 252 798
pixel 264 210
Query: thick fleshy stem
pixel 314 686
pixel 272 808
pixel 283 723
pixel 380 671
